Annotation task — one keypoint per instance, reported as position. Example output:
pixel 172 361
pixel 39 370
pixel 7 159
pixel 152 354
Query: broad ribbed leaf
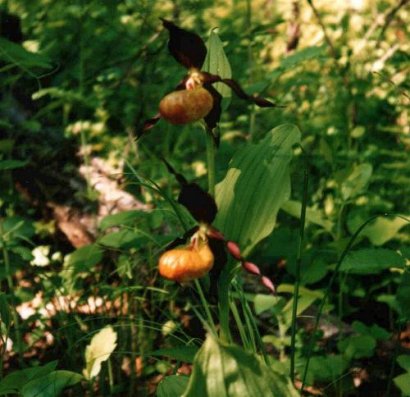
pixel 172 386
pixel 50 385
pixel 228 371
pixel 372 260
pixel 255 187
pixel 14 382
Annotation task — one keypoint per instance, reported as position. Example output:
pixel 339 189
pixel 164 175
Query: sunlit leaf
pixel 403 383
pixel 264 302
pixel 99 350
pixel 372 260
pixel 16 54
pixel 356 181
pixel 381 230
pixel 312 215
pixel 216 62
pixel 255 187
pixel 404 361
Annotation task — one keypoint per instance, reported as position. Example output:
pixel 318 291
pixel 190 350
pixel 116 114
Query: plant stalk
pixel 298 271
pixel 210 157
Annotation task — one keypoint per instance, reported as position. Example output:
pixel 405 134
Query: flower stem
pixel 206 307
pixel 297 283
pixel 210 157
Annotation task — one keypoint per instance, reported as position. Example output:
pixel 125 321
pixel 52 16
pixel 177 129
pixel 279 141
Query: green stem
pixel 297 283
pixel 206 307
pixel 245 342
pixel 210 157
pixel 110 377
pixel 224 283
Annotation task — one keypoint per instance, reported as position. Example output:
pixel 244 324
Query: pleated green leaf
pixel 255 187
pixel 172 386
pixel 228 371
pixel 216 62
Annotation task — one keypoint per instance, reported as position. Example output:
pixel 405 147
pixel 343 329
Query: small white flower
pixel 40 254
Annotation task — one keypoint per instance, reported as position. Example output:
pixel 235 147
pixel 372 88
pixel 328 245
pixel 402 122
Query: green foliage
pixel 403 381
pixel 216 62
pixel 172 386
pixel 181 353
pixel 372 260
pixel 221 370
pixel 42 381
pixel 75 89
pixel 357 346
pixel 247 199
pixel 327 369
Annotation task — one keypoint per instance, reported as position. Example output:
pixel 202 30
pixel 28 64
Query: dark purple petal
pixel 198 202
pixel 148 124
pixel 237 89
pixel 186 47
pixel 213 117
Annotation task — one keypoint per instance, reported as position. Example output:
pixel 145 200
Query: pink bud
pixel 268 284
pixel 215 233
pixel 234 250
pixel 251 268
